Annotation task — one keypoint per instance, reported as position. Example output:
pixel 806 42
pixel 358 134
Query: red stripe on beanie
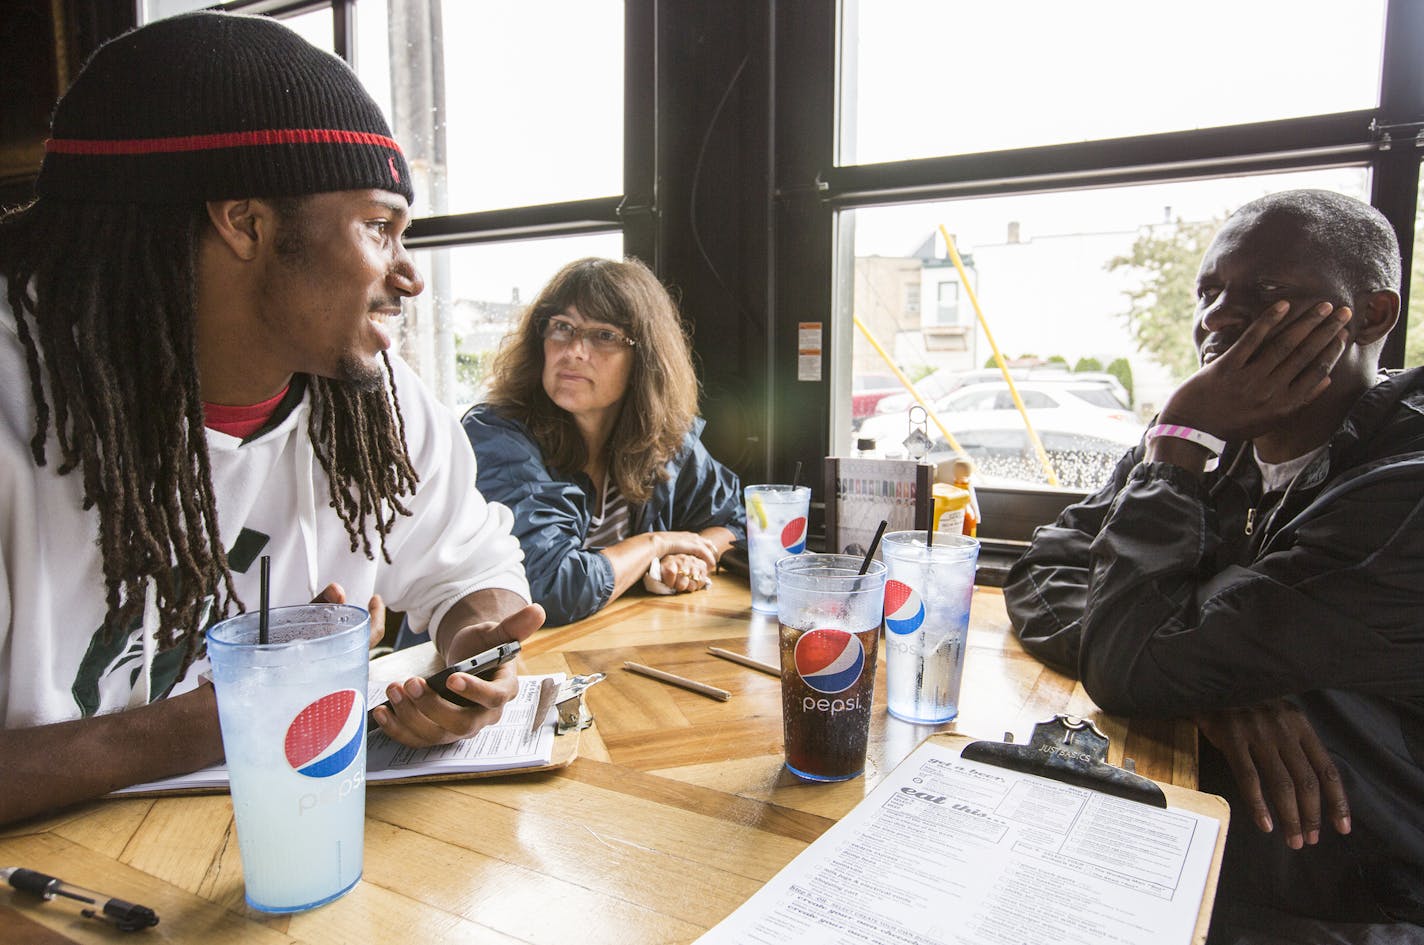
pixel 240 139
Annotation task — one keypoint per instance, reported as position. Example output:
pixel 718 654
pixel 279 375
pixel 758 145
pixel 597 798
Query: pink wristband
pixel 1212 444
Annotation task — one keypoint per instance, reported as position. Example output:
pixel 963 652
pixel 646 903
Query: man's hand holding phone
pixel 419 713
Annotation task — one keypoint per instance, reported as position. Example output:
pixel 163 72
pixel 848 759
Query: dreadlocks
pixel 104 297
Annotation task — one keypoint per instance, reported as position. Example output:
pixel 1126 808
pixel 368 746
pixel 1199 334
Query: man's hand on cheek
pixel 1280 363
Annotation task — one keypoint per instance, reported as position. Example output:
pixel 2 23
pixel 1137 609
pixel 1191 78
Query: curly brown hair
pixel 661 401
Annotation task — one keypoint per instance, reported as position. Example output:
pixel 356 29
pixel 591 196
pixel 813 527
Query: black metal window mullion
pixel 1395 183
pixel 638 210
pixel 343 27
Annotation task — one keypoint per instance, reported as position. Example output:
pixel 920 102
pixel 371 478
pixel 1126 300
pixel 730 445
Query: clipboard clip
pixel 568 700
pixel 1072 750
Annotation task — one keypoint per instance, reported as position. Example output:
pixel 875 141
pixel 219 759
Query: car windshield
pixel 1099 397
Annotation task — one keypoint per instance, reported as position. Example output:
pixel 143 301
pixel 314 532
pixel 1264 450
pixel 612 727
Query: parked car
pixel 867 390
pixel 1078 418
pixel 939 384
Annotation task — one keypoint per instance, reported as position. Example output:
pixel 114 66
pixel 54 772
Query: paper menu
pixel 952 851
pixel 509 743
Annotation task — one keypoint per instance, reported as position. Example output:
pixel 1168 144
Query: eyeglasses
pixel 602 340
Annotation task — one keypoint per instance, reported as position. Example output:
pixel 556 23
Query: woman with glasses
pixel 589 434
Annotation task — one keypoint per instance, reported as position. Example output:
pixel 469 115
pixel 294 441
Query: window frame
pixel 1389 140
pixel 627 213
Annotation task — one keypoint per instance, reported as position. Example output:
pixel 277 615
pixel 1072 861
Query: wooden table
pixel 676 811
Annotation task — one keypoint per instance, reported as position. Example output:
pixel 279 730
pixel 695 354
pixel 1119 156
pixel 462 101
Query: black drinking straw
pixel 796 476
pixel 929 536
pixel 266 586
pixel 874 543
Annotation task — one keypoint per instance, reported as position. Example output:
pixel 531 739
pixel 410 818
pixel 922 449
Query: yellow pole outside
pixel 909 384
pixel 999 358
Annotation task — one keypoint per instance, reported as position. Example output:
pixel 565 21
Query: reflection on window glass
pixel 500 104
pixel 925 77
pixel 1088 294
pixel 162 9
pixel 1414 327
pixel 473 294
pixel 316 27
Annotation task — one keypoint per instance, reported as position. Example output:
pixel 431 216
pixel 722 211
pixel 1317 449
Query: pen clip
pixel 125 916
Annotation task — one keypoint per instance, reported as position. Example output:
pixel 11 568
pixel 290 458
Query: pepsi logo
pixel 904 610
pixel 325 736
pixel 829 660
pixel 793 536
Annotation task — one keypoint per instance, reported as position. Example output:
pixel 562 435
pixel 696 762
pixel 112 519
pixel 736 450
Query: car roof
pixel 1035 384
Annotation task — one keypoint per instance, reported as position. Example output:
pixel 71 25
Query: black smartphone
pixel 482 665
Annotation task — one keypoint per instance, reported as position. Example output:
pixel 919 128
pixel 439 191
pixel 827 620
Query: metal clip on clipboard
pixel 1071 750
pixel 568 699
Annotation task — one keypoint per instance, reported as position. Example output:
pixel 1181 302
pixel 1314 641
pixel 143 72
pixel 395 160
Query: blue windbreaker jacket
pixel 552 511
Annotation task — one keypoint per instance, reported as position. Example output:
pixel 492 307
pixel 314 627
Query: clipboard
pixel 1074 750
pixel 943 849
pixel 423 659
pixel 420 661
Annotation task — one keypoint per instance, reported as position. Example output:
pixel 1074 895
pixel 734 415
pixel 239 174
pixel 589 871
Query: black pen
pixel 92 905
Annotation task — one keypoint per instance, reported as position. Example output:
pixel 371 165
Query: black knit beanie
pixel 214 106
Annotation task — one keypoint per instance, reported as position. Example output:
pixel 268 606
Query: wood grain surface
pixel 676 811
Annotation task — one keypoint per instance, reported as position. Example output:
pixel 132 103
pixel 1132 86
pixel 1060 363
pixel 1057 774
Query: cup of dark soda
pixel 830 617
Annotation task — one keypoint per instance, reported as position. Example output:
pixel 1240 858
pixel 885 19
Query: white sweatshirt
pixel 273 493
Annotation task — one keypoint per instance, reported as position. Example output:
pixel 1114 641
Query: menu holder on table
pixel 1037 844
pixel 538 731
pixel 860 493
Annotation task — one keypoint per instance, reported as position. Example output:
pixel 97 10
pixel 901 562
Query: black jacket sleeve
pixel 1332 601
pixel 1047 588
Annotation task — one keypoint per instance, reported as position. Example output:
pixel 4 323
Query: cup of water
pixel 776 527
pixel 928 590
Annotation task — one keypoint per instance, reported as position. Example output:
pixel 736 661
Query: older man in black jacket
pixel 1258 564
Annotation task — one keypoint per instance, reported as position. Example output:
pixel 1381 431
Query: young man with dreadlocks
pixel 193 373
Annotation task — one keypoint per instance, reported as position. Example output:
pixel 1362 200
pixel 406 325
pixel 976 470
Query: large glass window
pixel 924 77
pixel 500 104
pixel 1089 295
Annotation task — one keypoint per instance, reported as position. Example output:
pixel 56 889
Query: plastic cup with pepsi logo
pixel 293 716
pixel 830 617
pixel 927 595
pixel 776 527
